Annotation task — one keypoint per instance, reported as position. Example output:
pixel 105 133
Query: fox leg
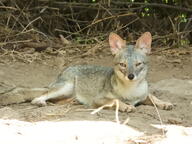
pixel 65 90
pixel 153 100
pixel 114 103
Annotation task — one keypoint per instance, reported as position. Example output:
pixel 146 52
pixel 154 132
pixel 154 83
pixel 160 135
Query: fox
pixel 96 86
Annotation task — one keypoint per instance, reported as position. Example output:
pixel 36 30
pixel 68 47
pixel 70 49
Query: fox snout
pixel 129 71
pixel 131 76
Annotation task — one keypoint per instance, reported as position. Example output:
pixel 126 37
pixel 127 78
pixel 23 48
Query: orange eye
pixel 138 64
pixel 122 64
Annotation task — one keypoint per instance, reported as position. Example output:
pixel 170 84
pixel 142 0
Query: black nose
pixel 131 76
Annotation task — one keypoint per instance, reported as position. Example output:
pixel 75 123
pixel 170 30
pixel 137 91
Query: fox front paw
pixel 127 108
pixel 39 102
pixel 165 105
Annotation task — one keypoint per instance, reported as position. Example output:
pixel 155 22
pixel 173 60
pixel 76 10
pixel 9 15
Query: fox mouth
pixel 132 76
pixel 129 77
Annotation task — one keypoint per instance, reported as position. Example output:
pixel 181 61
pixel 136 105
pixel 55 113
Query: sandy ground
pixel 164 69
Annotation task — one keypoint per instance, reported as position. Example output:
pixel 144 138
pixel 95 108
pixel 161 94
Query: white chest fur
pixel 132 92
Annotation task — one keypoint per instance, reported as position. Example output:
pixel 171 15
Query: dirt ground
pixel 163 65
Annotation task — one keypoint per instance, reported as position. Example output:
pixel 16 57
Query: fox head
pixel 130 60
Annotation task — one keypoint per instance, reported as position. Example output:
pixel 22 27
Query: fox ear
pixel 116 43
pixel 144 43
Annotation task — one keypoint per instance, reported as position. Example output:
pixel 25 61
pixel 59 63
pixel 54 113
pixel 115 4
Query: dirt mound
pixel 162 69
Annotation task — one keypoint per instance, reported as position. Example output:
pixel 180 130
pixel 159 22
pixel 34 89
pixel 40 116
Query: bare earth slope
pixel 170 79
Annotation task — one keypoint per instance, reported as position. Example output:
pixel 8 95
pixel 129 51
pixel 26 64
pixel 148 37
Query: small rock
pixel 174 86
pixel 174 121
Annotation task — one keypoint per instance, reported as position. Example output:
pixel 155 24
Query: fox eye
pixel 138 64
pixel 122 64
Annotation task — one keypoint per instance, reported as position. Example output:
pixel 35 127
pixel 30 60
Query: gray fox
pixel 96 85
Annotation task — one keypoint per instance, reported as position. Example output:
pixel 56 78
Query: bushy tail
pixel 20 94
